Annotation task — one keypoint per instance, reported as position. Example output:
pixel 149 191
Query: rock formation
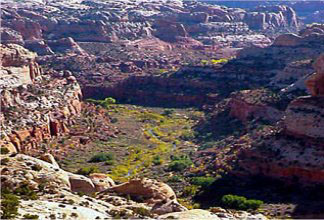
pixel 99 22
pixel 304 115
pixel 38 100
pixel 51 190
pixel 315 83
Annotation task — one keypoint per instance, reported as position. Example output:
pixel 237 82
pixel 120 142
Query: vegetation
pixel 175 179
pixel 104 103
pixel 4 161
pixel 101 157
pixel 25 192
pixel 30 216
pixel 203 182
pixel 88 170
pixel 190 190
pixel 157 160
pixel 180 163
pixel 9 205
pixel 142 211
pixel 240 202
pixel 4 150
pixel 37 167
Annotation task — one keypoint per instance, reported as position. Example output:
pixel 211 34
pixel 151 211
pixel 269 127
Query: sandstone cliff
pixel 34 106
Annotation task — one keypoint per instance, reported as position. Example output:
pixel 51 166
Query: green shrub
pixel 142 211
pixel 87 170
pixel 37 167
pixel 4 161
pixel 109 162
pixel 180 163
pixel 25 192
pixel 187 135
pixel 190 190
pixel 202 181
pixel 168 112
pixel 104 103
pixel 114 120
pixel 174 179
pixel 101 157
pixel 240 202
pixel 4 150
pixel 252 204
pixel 29 216
pixel 157 160
pixel 9 205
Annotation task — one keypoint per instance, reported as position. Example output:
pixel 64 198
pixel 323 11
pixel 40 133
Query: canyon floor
pixel 150 137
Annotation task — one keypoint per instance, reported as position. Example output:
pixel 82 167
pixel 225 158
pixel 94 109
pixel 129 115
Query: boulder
pixel 191 214
pixel 81 184
pixel 151 190
pixel 50 159
pixel 167 207
pixel 101 181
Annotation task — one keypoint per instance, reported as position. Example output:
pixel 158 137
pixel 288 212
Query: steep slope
pixel 34 106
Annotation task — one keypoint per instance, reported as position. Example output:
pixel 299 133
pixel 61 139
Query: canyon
pixel 159 109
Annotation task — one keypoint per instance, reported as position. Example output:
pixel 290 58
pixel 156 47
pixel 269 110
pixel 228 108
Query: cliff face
pixel 18 66
pixel 304 116
pixel 34 106
pixel 294 152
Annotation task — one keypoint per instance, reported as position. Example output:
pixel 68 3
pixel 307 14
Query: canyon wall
pixel 34 106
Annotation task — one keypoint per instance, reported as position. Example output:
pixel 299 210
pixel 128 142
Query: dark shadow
pixel 309 200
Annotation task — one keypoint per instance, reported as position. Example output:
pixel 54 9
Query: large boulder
pixel 191 214
pixel 50 159
pixel 149 189
pixel 22 168
pixel 81 184
pixel 101 181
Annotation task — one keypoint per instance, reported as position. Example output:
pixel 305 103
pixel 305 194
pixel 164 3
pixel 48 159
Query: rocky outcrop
pixel 50 159
pixel 44 105
pixel 101 22
pixel 151 190
pixel 255 104
pixel 272 17
pixel 18 66
pixel 101 181
pixel 291 150
pixel 304 115
pixel 169 31
pixel 156 194
pixel 51 190
pixel 66 45
pixel 215 214
pixel 289 40
pixel 81 184
pixel 315 83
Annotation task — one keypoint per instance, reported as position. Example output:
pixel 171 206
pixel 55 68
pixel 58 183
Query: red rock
pixel 101 181
pixel 315 83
